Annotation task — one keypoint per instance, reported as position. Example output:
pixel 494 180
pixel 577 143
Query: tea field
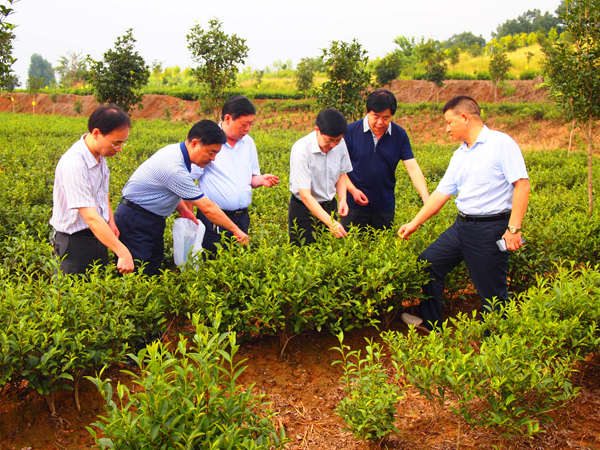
pixel 54 332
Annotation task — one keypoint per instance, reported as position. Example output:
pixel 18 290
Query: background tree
pixel 431 55
pixel 529 22
pixel 8 80
pixel 120 76
pixel 349 80
pixel 499 66
pixel 72 69
pixel 463 41
pixel 218 55
pixel 577 90
pixel 389 68
pixel 42 69
pixel 305 75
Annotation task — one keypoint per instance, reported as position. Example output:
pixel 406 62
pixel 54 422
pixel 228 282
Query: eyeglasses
pixel 330 141
pixel 116 147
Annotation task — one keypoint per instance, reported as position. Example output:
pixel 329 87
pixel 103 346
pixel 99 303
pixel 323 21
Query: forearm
pixel 433 204
pixel 216 215
pixel 255 182
pixel 102 231
pixel 341 186
pixel 418 179
pixel 183 205
pixel 349 185
pixel 314 207
pixel 520 202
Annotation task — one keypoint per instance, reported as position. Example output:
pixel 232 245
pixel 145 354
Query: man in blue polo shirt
pixel 376 145
pixel 160 185
pixel 489 174
pixel 230 178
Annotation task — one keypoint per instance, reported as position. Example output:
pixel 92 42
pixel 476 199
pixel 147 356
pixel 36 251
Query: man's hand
pixel 343 208
pixel 406 230
pixel 113 227
pixel 513 241
pixel 241 237
pixel 186 213
pixel 267 180
pixel 337 229
pixel 359 197
pixel 125 264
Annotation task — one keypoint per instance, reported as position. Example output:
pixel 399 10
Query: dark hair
pixel 108 118
pixel 207 132
pixel 462 104
pixel 331 122
pixel 380 100
pixel 237 106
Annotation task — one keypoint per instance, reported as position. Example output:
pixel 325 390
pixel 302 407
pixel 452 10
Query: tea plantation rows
pixel 54 331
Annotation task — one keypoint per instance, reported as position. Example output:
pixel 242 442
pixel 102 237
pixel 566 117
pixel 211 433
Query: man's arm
pixel 520 202
pixel 434 203
pixel 218 217
pixel 266 180
pixel 186 210
pixel 340 188
pixel 359 196
pixel 105 234
pixel 416 176
pixel 111 220
pixel 314 207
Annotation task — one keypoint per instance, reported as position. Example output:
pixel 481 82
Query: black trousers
pixel 379 220
pixel 302 224
pixel 143 233
pixel 79 251
pixel 212 235
pixel 474 243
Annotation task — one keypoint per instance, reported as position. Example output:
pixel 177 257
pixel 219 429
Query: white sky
pixel 273 29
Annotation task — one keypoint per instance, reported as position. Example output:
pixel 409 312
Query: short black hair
pixel 331 122
pixel 207 132
pixel 108 118
pixel 380 100
pixel 462 104
pixel 237 106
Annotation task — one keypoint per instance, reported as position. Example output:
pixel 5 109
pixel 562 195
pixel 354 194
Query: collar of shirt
pixel 186 156
pixel 366 128
pixel 88 157
pixel 481 139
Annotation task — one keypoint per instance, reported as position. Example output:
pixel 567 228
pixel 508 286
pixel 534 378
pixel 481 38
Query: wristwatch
pixel 514 230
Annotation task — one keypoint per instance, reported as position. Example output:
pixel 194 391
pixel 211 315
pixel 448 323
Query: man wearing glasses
pixel 319 163
pixel 82 216
pixel 228 181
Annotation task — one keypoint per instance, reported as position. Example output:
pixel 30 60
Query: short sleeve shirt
pixel 227 180
pixel 312 169
pixel 483 175
pixel 80 182
pixel 160 183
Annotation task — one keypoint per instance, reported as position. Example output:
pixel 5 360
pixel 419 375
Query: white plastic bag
pixel 187 237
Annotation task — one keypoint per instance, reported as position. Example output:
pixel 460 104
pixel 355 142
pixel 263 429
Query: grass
pixel 470 65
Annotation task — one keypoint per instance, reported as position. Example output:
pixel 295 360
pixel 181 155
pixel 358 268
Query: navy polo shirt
pixel 374 167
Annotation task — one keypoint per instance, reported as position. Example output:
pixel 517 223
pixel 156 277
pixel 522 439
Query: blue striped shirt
pixel 160 183
pixel 80 182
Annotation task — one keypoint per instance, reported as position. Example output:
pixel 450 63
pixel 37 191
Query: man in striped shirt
pixel 160 186
pixel 82 216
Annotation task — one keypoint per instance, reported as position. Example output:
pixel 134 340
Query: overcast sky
pixel 274 30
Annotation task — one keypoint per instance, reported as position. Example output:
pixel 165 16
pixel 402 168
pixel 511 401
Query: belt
pixel 237 213
pixel 323 204
pixel 487 218
pixel 138 207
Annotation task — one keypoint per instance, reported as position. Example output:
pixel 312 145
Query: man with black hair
pixel 489 174
pixel 161 185
pixel 229 180
pixel 81 215
pixel 319 163
pixel 376 145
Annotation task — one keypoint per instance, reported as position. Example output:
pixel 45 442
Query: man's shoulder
pixel 500 138
pixel 397 128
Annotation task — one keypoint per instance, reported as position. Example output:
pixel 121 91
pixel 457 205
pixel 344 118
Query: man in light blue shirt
pixel 489 174
pixel 229 180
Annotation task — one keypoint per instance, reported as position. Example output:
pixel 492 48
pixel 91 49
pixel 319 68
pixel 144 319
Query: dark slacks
pixel 307 224
pixel 379 220
pixel 475 243
pixel 143 233
pixel 212 235
pixel 80 251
